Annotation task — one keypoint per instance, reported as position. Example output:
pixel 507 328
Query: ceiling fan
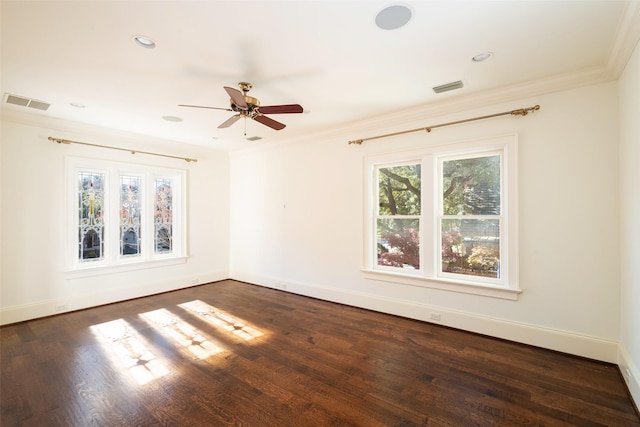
pixel 249 107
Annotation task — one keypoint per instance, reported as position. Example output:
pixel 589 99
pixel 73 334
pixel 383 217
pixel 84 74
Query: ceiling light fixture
pixel 482 56
pixel 171 118
pixel 144 41
pixel 77 105
pixel 394 17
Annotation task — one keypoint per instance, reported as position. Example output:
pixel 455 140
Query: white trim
pixel 443 284
pixel 630 373
pixel 507 286
pixel 569 342
pixel 24 312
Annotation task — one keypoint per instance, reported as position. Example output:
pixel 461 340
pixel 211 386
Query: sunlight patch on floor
pixel 126 345
pixel 181 333
pixel 222 319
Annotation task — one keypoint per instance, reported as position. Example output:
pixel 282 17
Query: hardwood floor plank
pixel 230 353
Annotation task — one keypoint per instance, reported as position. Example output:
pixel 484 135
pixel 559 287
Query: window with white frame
pixel 124 215
pixel 445 217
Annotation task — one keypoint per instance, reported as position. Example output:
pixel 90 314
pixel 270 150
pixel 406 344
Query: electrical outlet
pixel 435 317
pixel 627 375
pixel 61 307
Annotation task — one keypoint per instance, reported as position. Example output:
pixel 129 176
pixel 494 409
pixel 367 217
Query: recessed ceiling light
pixel 77 105
pixel 482 56
pixel 144 42
pixel 171 118
pixel 394 17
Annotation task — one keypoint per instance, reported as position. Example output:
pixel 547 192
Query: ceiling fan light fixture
pixel 144 41
pixel 394 17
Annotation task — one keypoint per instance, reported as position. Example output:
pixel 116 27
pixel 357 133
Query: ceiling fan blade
pixel 269 122
pixel 201 106
pixel 236 96
pixel 231 120
pixel 281 109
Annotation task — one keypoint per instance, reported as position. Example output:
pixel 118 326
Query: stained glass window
pixel 90 216
pixel 125 216
pixel 130 216
pixel 163 217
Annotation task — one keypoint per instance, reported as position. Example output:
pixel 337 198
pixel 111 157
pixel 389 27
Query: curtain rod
pixel 518 112
pixel 67 141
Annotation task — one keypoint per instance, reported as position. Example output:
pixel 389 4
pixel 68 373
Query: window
pixel 124 216
pixel 445 217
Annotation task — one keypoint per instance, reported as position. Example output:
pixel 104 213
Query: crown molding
pixel 71 129
pixel 627 37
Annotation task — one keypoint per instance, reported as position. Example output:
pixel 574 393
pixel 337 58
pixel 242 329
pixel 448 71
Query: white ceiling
pixel 328 56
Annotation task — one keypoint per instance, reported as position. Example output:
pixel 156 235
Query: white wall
pixel 629 93
pixel 33 224
pixel 297 221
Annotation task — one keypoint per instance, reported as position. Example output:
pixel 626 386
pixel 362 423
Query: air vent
pixel 27 102
pixel 254 138
pixel 447 87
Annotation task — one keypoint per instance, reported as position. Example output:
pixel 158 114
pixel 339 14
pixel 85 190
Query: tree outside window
pixel 398 222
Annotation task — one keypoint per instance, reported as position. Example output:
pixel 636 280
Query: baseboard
pixel 564 341
pixel 20 313
pixel 630 373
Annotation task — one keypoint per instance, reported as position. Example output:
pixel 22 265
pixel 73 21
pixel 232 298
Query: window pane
pixel 471 247
pixel 90 216
pixel 399 190
pixel 399 243
pixel 471 186
pixel 163 217
pixel 130 215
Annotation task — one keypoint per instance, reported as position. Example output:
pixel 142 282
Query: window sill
pixel 122 268
pixel 444 284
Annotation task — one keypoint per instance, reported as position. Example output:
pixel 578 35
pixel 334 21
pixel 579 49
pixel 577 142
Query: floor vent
pixel 27 102
pixel 448 87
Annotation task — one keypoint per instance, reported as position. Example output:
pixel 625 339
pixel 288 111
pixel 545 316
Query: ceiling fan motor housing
pixel 250 109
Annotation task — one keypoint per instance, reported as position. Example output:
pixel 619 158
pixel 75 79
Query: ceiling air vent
pixel 448 86
pixel 254 138
pixel 26 102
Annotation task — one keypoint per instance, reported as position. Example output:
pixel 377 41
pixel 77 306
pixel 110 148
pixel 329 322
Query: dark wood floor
pixel 230 353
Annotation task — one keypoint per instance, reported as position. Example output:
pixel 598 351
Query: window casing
pixel 124 216
pixel 445 217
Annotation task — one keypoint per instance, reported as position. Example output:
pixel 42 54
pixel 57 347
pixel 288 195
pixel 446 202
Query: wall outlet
pixel 62 307
pixel 435 317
